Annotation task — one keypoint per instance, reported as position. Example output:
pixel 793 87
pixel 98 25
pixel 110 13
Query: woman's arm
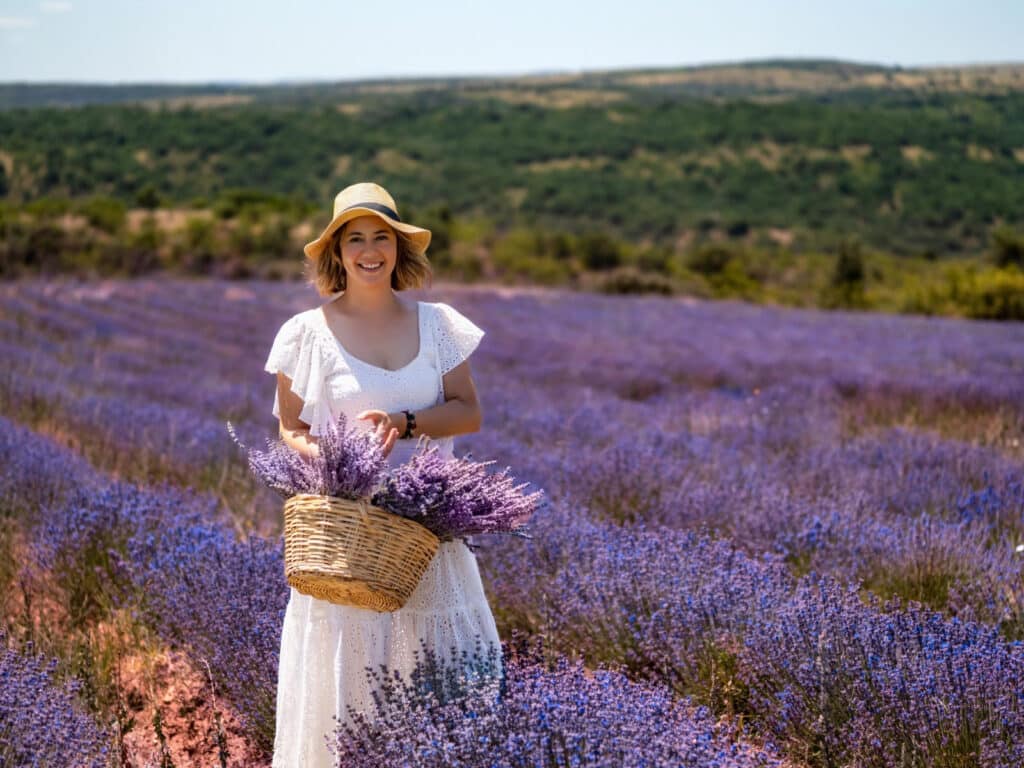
pixel 459 414
pixel 294 431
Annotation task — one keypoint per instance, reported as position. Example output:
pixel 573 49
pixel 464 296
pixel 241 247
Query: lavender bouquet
pixel 350 465
pixel 452 498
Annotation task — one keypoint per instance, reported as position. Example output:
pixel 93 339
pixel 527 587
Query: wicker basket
pixel 353 553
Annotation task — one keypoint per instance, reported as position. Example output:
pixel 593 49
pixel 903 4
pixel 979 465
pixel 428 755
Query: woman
pixel 400 369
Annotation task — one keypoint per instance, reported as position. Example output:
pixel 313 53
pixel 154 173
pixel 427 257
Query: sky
pixel 264 41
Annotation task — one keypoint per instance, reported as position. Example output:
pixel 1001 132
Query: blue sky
pixel 109 41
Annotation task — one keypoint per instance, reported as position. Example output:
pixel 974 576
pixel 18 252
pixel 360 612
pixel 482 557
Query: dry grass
pixel 564 78
pixel 762 77
pixel 783 237
pixel 982 78
pixel 855 154
pixel 516 195
pixel 554 98
pixel 767 154
pixel 916 155
pixel 392 161
pixel 211 101
pixel 303 232
pixel 342 165
pixel 167 220
pixel 1000 428
pixel 7 161
pixel 402 87
pixel 72 222
pixel 573 162
pixel 979 153
pixel 644 163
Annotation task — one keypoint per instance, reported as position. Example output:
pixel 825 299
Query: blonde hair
pixel 412 268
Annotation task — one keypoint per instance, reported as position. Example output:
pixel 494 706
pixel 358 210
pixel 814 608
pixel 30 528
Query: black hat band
pixel 379 207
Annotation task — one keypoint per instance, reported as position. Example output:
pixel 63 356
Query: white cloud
pixel 16 22
pixel 55 6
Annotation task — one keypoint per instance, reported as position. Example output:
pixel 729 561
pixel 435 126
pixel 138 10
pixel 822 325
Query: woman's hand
pixel 387 429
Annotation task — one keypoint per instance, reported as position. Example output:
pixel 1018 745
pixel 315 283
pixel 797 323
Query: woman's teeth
pixel 372 268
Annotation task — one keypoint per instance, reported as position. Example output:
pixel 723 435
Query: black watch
pixel 410 423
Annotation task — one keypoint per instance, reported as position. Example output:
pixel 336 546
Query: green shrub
pixel 49 207
pixel 994 295
pixel 104 213
pixel 517 245
pixel 521 252
pixel 629 280
pixel 1007 248
pixel 148 197
pixel 710 259
pixel 654 259
pixel 542 270
pixel 846 286
pixel 734 282
pixel 439 221
pixel 598 251
pixel 464 264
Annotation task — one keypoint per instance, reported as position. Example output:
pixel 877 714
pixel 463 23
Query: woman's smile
pixel 368 247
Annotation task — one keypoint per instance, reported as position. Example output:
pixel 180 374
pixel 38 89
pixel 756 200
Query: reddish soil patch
pixel 188 709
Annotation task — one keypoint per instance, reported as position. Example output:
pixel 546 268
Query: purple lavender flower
pixel 349 466
pixel 40 721
pixel 223 600
pixel 542 713
pixel 840 681
pixel 456 497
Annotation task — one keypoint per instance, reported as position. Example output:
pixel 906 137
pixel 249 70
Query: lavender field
pixel 774 537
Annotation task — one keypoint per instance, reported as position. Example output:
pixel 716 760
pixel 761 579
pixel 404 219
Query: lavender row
pixel 41 721
pixel 545 711
pixel 810 665
pixel 162 554
pixel 139 339
pixel 666 604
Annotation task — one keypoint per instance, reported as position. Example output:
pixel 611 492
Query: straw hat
pixel 361 199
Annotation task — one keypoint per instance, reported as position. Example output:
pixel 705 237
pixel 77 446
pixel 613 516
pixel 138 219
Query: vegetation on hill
pixel 739 180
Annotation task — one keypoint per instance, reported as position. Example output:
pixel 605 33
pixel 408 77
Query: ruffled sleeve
pixel 297 353
pixel 456 336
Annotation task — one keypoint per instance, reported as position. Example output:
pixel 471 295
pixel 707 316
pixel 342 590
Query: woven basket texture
pixel 350 552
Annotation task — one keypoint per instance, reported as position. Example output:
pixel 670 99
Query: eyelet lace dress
pixel 325 648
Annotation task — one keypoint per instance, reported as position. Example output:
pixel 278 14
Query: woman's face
pixel 366 242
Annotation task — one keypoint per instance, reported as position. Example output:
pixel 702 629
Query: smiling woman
pixel 400 369
pixel 359 226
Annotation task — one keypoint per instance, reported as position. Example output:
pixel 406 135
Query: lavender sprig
pixel 456 497
pixel 350 464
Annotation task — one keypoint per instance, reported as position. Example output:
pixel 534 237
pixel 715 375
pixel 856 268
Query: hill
pixel 537 175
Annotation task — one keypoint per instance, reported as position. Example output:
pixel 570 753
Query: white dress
pixel 325 648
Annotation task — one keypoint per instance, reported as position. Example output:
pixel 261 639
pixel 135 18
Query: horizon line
pixel 549 72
